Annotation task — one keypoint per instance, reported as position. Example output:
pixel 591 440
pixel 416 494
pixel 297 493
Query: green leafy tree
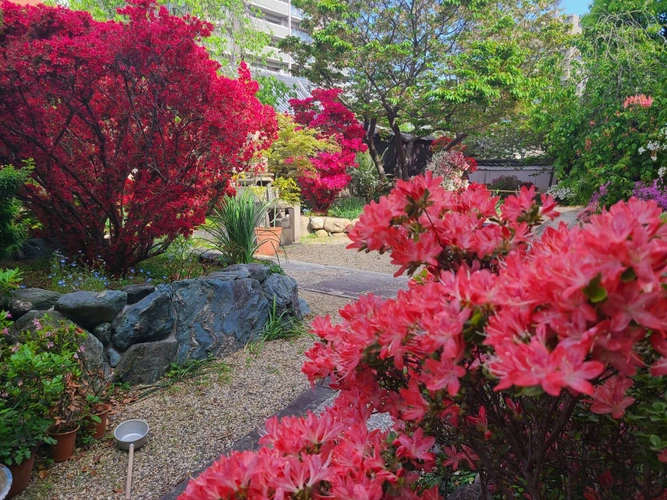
pixel 290 155
pixel 423 66
pixel 595 134
pixel 12 230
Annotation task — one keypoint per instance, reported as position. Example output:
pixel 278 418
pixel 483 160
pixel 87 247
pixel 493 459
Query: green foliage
pixel 32 380
pixel 273 91
pixel 505 183
pixel 281 326
pixel 233 224
pixel 347 208
pixel 68 275
pixel 366 181
pixel 289 156
pixel 593 137
pixel 12 231
pixel 456 66
pixel 9 280
pixel 288 190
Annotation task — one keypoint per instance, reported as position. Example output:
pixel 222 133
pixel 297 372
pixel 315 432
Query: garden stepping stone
pixel 89 309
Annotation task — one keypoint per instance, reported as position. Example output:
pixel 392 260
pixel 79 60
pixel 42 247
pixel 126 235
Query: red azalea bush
pixel 132 130
pixel 326 113
pixel 539 363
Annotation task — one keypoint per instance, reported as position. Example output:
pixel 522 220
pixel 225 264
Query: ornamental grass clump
pixel 540 363
pixel 232 226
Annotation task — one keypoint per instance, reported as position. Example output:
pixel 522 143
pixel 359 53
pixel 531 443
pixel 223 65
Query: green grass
pixel 347 208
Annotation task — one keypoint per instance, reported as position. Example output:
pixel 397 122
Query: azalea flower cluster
pixel 638 100
pixel 453 166
pixel 513 354
pixel 325 112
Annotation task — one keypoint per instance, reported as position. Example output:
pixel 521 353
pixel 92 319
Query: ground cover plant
pixel 124 160
pixel 539 363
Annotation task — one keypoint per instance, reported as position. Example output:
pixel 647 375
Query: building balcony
pixel 275 7
pixel 276 30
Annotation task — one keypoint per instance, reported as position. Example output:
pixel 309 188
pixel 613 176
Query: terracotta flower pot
pixel 98 429
pixel 268 240
pixel 64 447
pixel 21 476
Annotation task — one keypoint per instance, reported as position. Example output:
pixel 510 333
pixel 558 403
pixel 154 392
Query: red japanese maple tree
pixel 132 130
pixel 325 112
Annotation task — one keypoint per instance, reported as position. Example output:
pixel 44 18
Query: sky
pixel 575 6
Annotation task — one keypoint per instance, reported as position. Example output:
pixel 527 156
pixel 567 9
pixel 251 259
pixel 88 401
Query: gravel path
pixel 332 252
pixel 192 422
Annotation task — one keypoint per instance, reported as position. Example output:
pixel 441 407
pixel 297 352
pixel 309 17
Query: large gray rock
pixel 38 248
pixel 225 275
pixel 336 225
pixel 94 361
pixel 257 272
pixel 103 333
pixel 146 363
pixel 51 319
pixel 216 317
pixel 23 300
pixel 137 292
pixel 150 319
pixel 284 291
pixel 89 309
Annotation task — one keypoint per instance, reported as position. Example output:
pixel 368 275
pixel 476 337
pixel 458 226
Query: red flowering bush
pixel 540 363
pixel 324 112
pixel 132 131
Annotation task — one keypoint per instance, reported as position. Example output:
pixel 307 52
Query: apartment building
pixel 280 19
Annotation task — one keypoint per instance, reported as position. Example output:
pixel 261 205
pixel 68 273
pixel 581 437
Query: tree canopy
pixel 424 66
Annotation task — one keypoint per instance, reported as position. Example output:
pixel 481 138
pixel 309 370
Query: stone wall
pixel 324 227
pixel 140 330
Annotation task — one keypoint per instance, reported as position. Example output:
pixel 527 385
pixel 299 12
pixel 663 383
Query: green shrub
pixel 288 190
pixel 9 280
pixel 366 182
pixel 12 231
pixel 347 208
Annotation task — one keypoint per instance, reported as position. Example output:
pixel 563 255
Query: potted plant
pixel 66 415
pixel 30 381
pixel 95 387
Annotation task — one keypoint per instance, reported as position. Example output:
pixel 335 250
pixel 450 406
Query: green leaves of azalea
pixel 595 291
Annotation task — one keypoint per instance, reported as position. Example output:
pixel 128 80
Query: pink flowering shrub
pixel 638 100
pixel 539 363
pixel 326 113
pixel 453 166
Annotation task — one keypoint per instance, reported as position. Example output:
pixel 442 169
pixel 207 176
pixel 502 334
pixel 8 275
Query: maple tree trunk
pixel 401 161
pixel 369 139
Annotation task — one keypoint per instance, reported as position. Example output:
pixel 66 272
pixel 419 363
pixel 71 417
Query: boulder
pixel 95 362
pixel 23 300
pixel 304 307
pixel 210 256
pixel 137 292
pixel 103 333
pixel 113 356
pixel 257 272
pixel 38 248
pixel 89 309
pixel 150 319
pixel 284 291
pixel 216 316
pixel 146 363
pixel 25 322
pixel 321 233
pixel 225 275
pixel 316 223
pixel 336 225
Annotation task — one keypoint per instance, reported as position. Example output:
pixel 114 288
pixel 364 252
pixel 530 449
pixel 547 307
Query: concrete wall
pixel 540 176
